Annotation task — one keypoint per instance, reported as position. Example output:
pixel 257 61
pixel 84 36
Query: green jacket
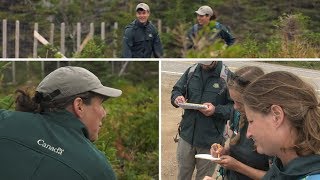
pixel 296 169
pixel 196 128
pixel 141 41
pixel 50 146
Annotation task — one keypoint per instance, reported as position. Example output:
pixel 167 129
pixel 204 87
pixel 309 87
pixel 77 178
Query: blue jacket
pixel 141 41
pixel 196 128
pixel 215 27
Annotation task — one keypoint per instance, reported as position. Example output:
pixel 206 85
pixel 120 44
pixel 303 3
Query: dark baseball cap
pixel 71 80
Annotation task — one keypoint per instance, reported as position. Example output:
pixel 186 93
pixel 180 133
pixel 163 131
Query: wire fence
pixel 18 40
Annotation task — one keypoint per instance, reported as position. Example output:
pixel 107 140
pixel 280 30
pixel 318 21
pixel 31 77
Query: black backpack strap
pixel 190 75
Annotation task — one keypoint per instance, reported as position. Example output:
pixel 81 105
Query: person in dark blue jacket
pixel 50 135
pixel 199 128
pixel 141 38
pixel 208 26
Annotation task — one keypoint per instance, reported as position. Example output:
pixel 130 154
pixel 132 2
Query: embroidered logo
pixel 216 85
pixel 57 150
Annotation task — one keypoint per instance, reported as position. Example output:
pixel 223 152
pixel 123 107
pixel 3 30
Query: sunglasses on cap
pixel 240 80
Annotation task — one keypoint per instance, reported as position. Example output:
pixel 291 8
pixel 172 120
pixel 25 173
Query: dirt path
pixel 170 116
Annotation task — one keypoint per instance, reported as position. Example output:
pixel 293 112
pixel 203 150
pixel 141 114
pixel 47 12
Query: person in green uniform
pixel 50 134
pixel 201 128
pixel 283 113
pixel 239 159
pixel 141 38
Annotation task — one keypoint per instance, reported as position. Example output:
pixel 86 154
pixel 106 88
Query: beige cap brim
pixel 107 91
pixel 205 62
pixel 200 13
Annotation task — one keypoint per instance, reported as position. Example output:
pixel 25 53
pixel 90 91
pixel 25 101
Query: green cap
pixel 71 80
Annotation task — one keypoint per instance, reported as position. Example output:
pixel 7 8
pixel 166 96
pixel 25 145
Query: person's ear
pixel 278 115
pixel 78 107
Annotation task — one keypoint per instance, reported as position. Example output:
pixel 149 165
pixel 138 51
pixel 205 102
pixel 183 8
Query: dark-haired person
pixel 50 135
pixel 283 114
pixel 240 159
pixel 212 29
pixel 141 38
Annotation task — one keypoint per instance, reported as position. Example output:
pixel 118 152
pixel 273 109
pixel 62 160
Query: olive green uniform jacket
pixel 50 146
pixel 196 128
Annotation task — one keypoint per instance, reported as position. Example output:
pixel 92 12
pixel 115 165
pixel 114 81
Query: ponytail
pixel 310 137
pixel 24 102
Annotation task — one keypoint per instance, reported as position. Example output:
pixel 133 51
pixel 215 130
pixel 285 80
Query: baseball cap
pixel 143 6
pixel 203 10
pixel 71 80
pixel 205 62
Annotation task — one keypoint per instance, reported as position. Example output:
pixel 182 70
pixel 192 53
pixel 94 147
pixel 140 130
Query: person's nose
pixel 235 106
pixel 249 134
pixel 104 112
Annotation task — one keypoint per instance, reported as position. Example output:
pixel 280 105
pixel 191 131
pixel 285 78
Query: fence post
pixel 13 72
pixel 62 41
pixel 112 67
pixel 91 29
pixel 78 35
pixel 167 29
pixel 159 26
pixel 115 39
pixel 42 69
pixel 4 38
pixel 103 31
pixel 51 33
pixel 16 54
pixel 35 42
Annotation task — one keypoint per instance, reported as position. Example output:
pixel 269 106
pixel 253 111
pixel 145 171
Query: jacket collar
pixel 297 167
pixel 67 119
pixel 139 24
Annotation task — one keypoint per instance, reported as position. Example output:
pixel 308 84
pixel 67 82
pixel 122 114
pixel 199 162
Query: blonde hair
pixel 299 102
pixel 245 74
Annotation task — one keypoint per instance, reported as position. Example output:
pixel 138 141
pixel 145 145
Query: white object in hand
pixel 192 106
pixel 206 156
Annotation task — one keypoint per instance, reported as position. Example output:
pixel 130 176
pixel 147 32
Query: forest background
pixel 129 137
pixel 266 29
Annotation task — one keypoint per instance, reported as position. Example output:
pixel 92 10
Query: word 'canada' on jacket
pixel 141 41
pixel 49 145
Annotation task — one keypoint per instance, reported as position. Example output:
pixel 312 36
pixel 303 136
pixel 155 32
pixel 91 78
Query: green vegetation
pixel 301 64
pixel 130 134
pixel 263 29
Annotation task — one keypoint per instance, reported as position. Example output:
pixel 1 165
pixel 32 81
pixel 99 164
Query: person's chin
pixel 142 21
pixel 260 150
